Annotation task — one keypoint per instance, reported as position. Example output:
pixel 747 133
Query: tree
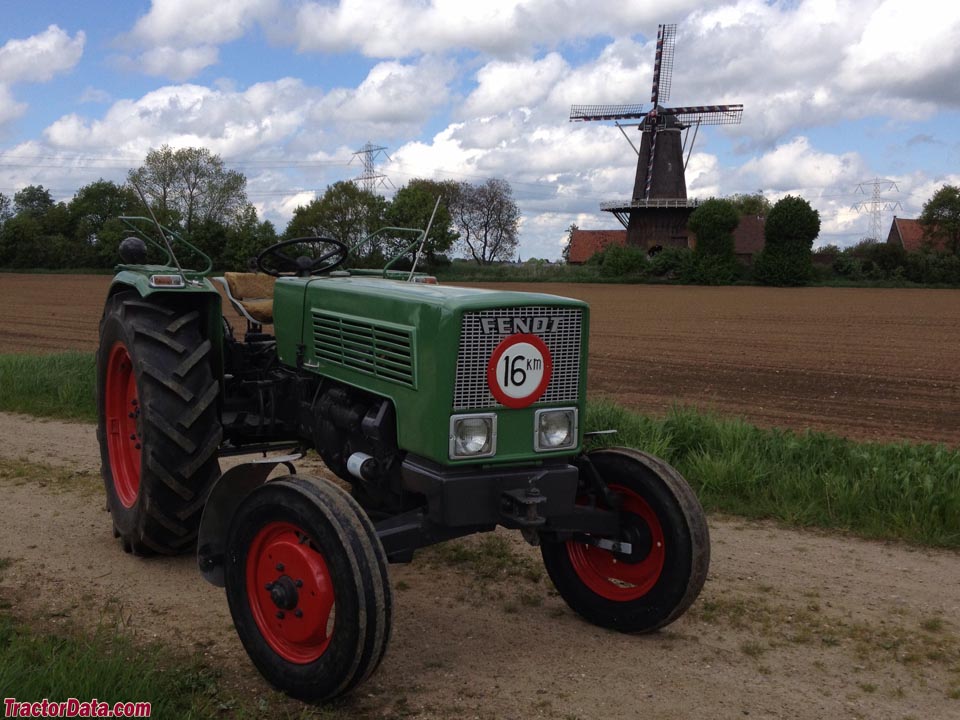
pixel 247 239
pixel 412 206
pixel 487 219
pixel 346 213
pixel 713 223
pixel 94 207
pixel 190 186
pixel 787 259
pixel 714 262
pixel 940 218
pixel 32 200
pixel 6 209
pixel 565 253
pixel 751 203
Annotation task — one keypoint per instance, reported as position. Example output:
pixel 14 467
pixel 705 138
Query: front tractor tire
pixel 158 424
pixel 663 520
pixel 306 580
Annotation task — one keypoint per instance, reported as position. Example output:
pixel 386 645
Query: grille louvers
pixel 384 351
pixel 476 347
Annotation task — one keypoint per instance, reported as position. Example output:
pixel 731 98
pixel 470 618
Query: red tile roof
pixel 909 234
pixel 584 243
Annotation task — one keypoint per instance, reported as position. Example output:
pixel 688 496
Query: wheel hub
pixel 284 594
pixel 641 541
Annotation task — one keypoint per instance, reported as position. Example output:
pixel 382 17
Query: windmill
pixel 657 212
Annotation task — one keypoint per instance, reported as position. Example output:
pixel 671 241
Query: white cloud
pixel 392 93
pixel 400 28
pixel 910 45
pixel 504 86
pixel 181 37
pixel 796 166
pixel 231 124
pixel 186 23
pixel 10 109
pixel 177 63
pixel 35 59
pixel 39 57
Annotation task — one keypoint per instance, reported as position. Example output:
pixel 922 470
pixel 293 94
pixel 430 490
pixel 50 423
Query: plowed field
pixel 866 363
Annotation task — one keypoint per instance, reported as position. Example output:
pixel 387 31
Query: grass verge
pixel 60 386
pixel 878 490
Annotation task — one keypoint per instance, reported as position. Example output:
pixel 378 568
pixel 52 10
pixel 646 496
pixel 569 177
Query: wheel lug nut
pixel 269 587
pixel 298 612
pixel 280 614
pixel 279 567
pixel 299 583
pixel 137 446
pixel 133 437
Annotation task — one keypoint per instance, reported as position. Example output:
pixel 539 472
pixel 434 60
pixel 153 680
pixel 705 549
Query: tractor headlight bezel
pixel 555 429
pixel 473 436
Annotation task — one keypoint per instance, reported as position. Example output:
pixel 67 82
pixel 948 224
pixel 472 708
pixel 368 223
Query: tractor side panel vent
pixel 476 346
pixel 383 350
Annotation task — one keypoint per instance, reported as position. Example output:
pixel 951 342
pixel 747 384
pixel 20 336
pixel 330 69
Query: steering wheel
pixel 273 261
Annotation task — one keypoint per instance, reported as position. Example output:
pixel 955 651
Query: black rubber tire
pixel 340 532
pixel 686 545
pixel 179 425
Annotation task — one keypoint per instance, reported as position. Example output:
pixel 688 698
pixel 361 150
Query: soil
pixel 874 364
pixel 791 624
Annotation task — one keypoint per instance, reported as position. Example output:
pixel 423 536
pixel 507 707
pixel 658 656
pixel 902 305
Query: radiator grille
pixel 384 351
pixel 476 347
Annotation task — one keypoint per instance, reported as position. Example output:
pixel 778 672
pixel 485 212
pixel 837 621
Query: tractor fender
pixel 222 502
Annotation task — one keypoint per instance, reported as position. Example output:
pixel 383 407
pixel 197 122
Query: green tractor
pixel 445 410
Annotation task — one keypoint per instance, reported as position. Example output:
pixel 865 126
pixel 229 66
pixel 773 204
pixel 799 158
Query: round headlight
pixel 556 429
pixel 472 436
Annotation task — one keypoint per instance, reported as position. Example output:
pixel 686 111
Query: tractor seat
pixel 251 294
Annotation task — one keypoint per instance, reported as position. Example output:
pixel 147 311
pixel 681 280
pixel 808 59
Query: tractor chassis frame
pixel 541 501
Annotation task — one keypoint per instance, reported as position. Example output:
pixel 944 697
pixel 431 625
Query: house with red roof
pixel 748 240
pixel 584 244
pixel 908 234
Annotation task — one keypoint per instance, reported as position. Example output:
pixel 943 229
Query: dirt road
pixel 790 625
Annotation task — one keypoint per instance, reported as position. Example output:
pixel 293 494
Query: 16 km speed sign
pixel 519 370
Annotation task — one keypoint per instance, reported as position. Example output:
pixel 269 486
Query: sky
pixel 836 94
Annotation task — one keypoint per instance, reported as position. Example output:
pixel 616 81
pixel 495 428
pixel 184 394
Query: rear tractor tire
pixel 158 424
pixel 658 581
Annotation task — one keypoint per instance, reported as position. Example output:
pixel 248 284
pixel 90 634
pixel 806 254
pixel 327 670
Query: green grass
pixel 60 386
pixel 879 490
pixel 104 665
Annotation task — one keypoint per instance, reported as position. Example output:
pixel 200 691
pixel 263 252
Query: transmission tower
pixel 877 203
pixel 371 179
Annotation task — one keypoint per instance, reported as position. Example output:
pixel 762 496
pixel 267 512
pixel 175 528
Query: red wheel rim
pixel 122 411
pixel 290 593
pixel 613 579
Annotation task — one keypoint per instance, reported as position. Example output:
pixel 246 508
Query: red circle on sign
pixel 494 384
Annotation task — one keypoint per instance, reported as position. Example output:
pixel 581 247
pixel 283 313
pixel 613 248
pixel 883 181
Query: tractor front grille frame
pixel 471 391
